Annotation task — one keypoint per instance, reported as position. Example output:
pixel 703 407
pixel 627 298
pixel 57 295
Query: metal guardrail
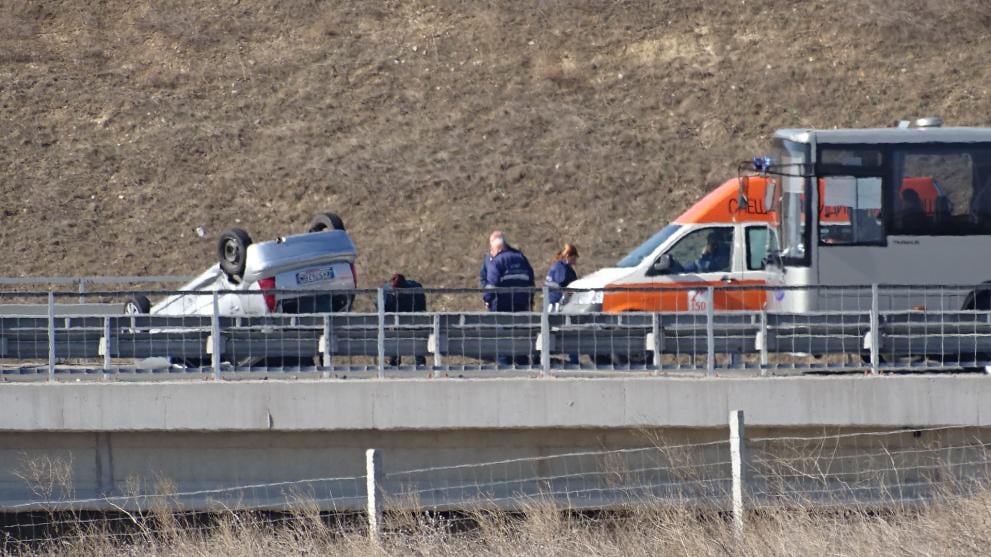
pixel 81 284
pixel 56 339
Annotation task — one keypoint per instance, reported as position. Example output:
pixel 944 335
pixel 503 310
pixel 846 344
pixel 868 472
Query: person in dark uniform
pixel 560 275
pixel 403 295
pixel 508 268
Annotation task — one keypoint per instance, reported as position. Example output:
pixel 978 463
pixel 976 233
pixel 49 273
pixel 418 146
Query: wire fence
pixel 228 334
pixel 860 471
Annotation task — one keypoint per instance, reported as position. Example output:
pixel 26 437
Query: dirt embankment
pixel 127 125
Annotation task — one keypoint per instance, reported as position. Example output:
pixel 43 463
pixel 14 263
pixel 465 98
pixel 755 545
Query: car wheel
pixel 326 221
pixel 137 305
pixel 232 250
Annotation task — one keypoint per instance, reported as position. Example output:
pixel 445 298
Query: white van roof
pixel 887 135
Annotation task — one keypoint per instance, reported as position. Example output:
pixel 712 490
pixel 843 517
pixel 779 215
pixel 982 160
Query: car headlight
pixel 586 298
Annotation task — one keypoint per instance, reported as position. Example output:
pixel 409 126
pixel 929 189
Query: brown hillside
pixel 126 125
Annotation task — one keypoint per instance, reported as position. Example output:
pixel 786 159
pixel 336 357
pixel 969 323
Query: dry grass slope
pixel 128 124
pixel 950 526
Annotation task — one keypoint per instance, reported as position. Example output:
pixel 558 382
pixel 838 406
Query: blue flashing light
pixel 762 164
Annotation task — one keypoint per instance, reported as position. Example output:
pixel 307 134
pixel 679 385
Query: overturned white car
pixel 302 273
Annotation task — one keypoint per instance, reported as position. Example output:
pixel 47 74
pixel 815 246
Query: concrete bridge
pixel 89 441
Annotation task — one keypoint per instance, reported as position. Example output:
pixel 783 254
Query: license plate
pixel 314 275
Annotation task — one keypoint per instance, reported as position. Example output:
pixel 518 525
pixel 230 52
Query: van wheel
pixel 137 305
pixel 326 221
pixel 232 250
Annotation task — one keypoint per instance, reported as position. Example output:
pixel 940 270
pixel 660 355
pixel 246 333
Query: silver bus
pixel 907 205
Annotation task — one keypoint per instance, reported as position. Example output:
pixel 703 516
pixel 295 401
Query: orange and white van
pixel 653 277
pixel 659 274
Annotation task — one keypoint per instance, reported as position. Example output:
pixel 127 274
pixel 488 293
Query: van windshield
pixel 643 250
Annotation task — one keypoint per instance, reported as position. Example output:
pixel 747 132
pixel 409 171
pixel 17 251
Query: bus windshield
pixel 643 250
pixel 792 169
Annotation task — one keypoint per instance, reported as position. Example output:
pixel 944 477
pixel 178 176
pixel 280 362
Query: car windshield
pixel 643 250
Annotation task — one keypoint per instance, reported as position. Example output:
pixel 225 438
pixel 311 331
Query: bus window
pixel 941 193
pixel 850 211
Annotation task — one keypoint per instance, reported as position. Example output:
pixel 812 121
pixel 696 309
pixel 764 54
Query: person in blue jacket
pixel 508 268
pixel 403 295
pixel 561 274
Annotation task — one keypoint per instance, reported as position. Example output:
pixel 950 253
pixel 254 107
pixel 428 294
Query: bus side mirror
pixel 773 259
pixel 769 195
pixel 662 265
pixel 743 192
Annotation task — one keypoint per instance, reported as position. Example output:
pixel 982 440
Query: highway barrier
pixel 51 335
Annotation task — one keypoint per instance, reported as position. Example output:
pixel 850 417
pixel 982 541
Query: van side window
pixel 850 211
pixel 706 250
pixel 756 247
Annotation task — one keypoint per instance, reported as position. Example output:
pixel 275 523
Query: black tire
pixel 979 298
pixel 602 360
pixel 634 359
pixel 326 221
pixel 232 250
pixel 137 305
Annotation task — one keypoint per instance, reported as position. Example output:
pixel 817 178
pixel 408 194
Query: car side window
pixel 706 250
pixel 756 247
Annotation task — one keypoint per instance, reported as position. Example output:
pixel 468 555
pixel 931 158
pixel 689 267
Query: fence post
pixel 545 334
pixel 215 336
pixel 51 336
pixel 106 346
pixel 764 343
pixel 328 345
pixel 655 328
pixel 710 335
pixel 739 459
pixel 373 489
pixel 380 303
pixel 438 357
pixel 875 322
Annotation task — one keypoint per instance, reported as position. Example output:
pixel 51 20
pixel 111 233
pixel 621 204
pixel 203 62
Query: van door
pixel 702 258
pixel 749 269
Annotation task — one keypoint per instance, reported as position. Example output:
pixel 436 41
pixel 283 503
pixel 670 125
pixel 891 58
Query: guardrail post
pixel 106 345
pixel 327 358
pixel 655 328
pixel 380 303
pixel 764 342
pixel 545 334
pixel 875 322
pixel 51 336
pixel 438 357
pixel 373 490
pixel 215 336
pixel 739 462
pixel 710 335
pixel 82 291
